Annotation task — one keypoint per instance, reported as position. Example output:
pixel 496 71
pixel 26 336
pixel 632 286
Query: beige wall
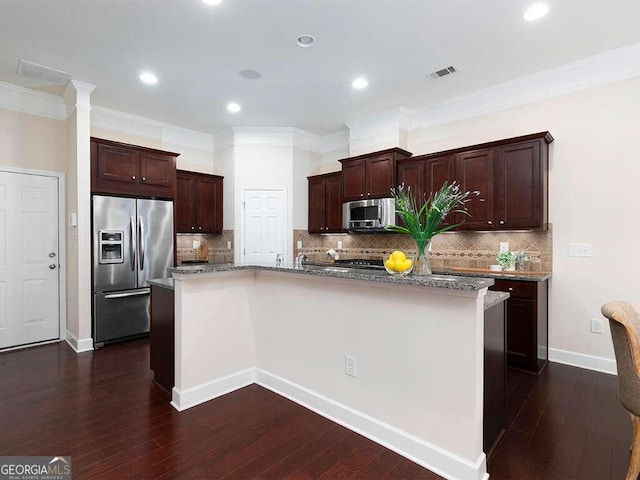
pixel 593 197
pixel 29 141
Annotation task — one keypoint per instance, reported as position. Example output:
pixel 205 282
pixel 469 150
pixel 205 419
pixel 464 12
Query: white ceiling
pixel 197 52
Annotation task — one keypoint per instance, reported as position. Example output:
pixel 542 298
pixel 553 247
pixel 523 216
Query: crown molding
pixel 381 123
pixel 275 136
pixel 332 142
pixel 607 67
pixel 26 100
pixel 114 120
pixel 77 95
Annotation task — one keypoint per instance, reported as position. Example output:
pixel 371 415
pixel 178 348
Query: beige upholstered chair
pixel 624 320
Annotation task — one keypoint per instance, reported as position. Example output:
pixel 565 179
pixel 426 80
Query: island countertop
pixel 455 282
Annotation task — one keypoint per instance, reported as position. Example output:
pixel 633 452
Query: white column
pixel 77 96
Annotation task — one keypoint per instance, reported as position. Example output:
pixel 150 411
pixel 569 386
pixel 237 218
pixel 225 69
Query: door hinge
pixel 244 251
pixel 243 206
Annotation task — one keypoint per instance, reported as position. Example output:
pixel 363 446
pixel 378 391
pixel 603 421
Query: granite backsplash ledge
pixel 216 246
pixel 451 249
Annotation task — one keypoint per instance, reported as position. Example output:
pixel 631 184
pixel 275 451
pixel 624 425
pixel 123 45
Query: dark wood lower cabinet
pixel 162 348
pixel 495 370
pixel 527 324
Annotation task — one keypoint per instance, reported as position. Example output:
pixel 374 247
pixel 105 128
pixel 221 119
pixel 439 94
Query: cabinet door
pixel 436 172
pixel 353 180
pixel 411 174
pixel 333 202
pixel 474 171
pixel 115 164
pixel 207 204
pixel 316 218
pixel 380 176
pixel 519 202
pixel 521 333
pixel 157 169
pixel 184 210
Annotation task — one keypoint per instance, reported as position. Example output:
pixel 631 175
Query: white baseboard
pixel 79 346
pixel 590 362
pixel 181 400
pixel 430 456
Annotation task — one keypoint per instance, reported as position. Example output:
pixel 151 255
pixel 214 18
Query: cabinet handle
pixel 501 222
pixel 369 194
pixel 199 228
pixel 133 178
pixel 193 228
pixel 490 222
pixel 144 178
pixel 362 194
pixel 510 289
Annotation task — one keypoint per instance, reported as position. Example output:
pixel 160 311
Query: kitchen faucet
pixel 301 260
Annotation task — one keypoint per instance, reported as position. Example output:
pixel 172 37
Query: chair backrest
pixel 624 320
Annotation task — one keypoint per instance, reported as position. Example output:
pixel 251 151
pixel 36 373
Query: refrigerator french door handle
pixel 133 243
pixel 142 246
pixel 128 294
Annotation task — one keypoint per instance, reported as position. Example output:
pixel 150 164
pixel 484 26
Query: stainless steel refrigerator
pixel 132 244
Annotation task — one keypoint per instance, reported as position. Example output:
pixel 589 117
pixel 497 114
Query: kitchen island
pixel 414 349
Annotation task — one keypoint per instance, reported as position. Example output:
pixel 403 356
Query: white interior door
pixel 263 225
pixel 29 280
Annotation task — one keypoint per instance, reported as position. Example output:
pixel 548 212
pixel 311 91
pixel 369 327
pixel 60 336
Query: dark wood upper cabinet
pixel 122 169
pixel 521 185
pixel 474 172
pixel 371 175
pixel 511 176
pixel 325 203
pixel 198 203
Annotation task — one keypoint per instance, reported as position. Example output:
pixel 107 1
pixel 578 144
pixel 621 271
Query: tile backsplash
pixel 451 249
pixel 216 246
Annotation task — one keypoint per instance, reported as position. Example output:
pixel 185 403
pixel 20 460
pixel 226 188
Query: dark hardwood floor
pixel 102 409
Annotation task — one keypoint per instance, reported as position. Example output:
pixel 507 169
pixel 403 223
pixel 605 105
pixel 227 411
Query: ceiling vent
pixel 40 72
pixel 443 72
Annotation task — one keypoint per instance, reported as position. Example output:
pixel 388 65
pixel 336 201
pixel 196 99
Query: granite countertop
pixel 454 282
pixel 493 298
pixel 527 277
pixel 163 283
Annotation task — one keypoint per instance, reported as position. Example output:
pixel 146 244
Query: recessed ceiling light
pixel 212 2
pixel 535 11
pixel 250 74
pixel 360 83
pixel 233 107
pixel 306 41
pixel 148 78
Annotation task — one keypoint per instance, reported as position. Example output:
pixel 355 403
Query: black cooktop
pixel 365 263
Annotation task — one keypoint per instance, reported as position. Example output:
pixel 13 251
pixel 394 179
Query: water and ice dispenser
pixel 111 246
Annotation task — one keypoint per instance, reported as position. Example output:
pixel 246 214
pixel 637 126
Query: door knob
pixel 52 255
pixel 52 266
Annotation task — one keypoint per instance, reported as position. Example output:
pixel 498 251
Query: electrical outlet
pixel 350 366
pixel 195 244
pixel 579 249
pixel 504 247
pixel 596 325
pixel 228 244
pixel 339 244
pixel 299 244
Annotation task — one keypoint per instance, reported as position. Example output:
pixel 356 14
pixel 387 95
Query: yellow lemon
pixel 398 256
pixel 390 264
pixel 407 264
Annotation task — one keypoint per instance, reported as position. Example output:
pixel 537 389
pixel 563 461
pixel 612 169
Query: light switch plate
pixel 299 244
pixel 579 249
pixel 339 244
pixel 504 247
pixel 195 244
pixel 228 244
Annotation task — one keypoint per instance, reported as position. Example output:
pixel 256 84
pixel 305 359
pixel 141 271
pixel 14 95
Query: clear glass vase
pixel 421 265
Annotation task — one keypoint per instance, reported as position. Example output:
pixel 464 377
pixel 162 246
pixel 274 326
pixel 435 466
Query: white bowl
pixel 495 268
pixel 393 272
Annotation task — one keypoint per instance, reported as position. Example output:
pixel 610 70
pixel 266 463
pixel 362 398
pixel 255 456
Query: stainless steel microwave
pixel 368 215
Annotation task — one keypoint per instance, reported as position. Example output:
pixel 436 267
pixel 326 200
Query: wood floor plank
pixel 101 408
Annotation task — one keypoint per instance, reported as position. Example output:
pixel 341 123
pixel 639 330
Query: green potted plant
pixel 507 260
pixel 422 222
